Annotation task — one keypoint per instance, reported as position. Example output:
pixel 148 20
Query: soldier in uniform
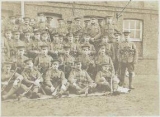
pixel 69 26
pixel 102 57
pixel 108 46
pixel 104 77
pixel 73 46
pixel 66 61
pixel 45 38
pixel 11 24
pixel 7 42
pixel 79 79
pixel 10 82
pixel 43 60
pixel 87 38
pixel 16 41
pixel 55 81
pixel 116 48
pixel 26 26
pixel 87 63
pixel 62 28
pixel 101 25
pixel 36 44
pixel 77 26
pixel 42 24
pixel 56 46
pixel 19 58
pixel 128 57
pixel 94 31
pixel 28 43
pixel 32 79
pixel 86 24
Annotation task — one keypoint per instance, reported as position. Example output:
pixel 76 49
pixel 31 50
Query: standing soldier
pixel 67 61
pixel 77 28
pixel 116 48
pixel 55 81
pixel 10 82
pixel 42 24
pixel 33 23
pixel 31 78
pixel 128 57
pixel 26 26
pixel 86 24
pixel 62 29
pixel 80 80
pixel 19 58
pixel 101 25
pixel 69 26
pixel 94 31
pixel 11 24
pixel 43 60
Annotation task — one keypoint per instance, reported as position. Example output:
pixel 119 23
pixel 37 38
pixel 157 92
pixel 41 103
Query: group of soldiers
pixel 39 59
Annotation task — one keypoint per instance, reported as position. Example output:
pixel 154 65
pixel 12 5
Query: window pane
pixel 132 24
pixel 126 24
pixel 138 24
pixel 137 34
pixel 132 34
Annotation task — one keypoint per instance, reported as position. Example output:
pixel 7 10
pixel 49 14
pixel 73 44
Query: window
pixel 135 27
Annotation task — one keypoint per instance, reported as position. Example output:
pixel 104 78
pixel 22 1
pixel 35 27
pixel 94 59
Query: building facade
pixel 141 18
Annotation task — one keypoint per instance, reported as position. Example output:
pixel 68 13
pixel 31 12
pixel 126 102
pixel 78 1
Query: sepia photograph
pixel 79 58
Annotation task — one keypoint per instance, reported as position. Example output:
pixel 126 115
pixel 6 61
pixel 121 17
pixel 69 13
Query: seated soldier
pixel 55 82
pixel 32 79
pixel 104 77
pixel 10 82
pixel 67 61
pixel 79 79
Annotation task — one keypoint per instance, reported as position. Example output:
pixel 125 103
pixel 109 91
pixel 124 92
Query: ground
pixel 144 100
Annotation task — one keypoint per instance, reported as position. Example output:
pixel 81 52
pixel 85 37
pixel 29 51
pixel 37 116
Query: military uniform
pixel 10 88
pixel 19 59
pixel 62 29
pixel 32 78
pixel 104 77
pixel 77 28
pixel 26 27
pixel 43 61
pixel 67 61
pixel 128 57
pixel 80 80
pixel 55 79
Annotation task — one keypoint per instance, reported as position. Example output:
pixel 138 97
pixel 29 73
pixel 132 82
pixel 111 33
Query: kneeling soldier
pixel 105 77
pixel 80 79
pixel 55 81
pixel 32 79
pixel 11 81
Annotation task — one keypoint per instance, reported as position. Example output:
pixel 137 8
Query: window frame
pixel 135 29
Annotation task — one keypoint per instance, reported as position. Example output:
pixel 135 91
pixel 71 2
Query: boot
pixel 11 92
pixel 130 81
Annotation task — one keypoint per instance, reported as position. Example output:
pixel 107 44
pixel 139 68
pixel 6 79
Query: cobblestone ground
pixel 143 100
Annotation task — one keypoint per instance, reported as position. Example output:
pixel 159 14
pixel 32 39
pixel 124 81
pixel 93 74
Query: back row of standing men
pixel 70 55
